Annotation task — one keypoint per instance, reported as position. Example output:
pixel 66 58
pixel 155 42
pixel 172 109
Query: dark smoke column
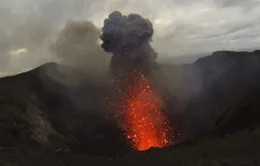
pixel 128 38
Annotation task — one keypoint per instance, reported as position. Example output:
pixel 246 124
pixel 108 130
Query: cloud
pixel 237 3
pixel 182 27
pixel 192 27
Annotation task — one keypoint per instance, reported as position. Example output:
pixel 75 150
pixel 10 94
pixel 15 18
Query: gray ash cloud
pixel 121 34
pixel 128 38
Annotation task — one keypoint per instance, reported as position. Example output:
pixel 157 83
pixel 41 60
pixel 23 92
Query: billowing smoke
pixel 128 38
pixel 121 34
pixel 77 45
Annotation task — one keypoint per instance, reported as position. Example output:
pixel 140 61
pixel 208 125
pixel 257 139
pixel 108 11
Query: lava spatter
pixel 144 123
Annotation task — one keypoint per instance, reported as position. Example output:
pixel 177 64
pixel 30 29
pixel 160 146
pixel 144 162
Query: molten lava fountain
pixel 128 38
pixel 144 123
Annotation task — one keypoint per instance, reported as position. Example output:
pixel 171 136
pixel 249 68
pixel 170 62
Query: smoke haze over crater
pixel 29 27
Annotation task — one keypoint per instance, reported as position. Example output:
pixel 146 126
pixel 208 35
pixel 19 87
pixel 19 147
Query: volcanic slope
pixel 47 120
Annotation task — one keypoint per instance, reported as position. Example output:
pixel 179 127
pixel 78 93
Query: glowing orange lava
pixel 144 123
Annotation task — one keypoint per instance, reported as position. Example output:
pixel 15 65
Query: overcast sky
pixel 182 27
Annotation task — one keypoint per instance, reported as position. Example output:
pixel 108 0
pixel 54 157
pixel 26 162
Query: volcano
pixel 213 103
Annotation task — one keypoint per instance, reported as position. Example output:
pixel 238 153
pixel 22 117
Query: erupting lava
pixel 144 124
pixel 128 37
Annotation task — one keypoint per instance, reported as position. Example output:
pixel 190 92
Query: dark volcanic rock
pixel 227 99
pixel 57 106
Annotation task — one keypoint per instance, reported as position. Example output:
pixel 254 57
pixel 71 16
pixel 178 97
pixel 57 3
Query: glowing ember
pixel 143 122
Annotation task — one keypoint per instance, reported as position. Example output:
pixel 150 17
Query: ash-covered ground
pixel 56 114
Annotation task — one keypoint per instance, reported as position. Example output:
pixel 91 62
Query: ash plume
pixel 128 39
pixel 77 45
